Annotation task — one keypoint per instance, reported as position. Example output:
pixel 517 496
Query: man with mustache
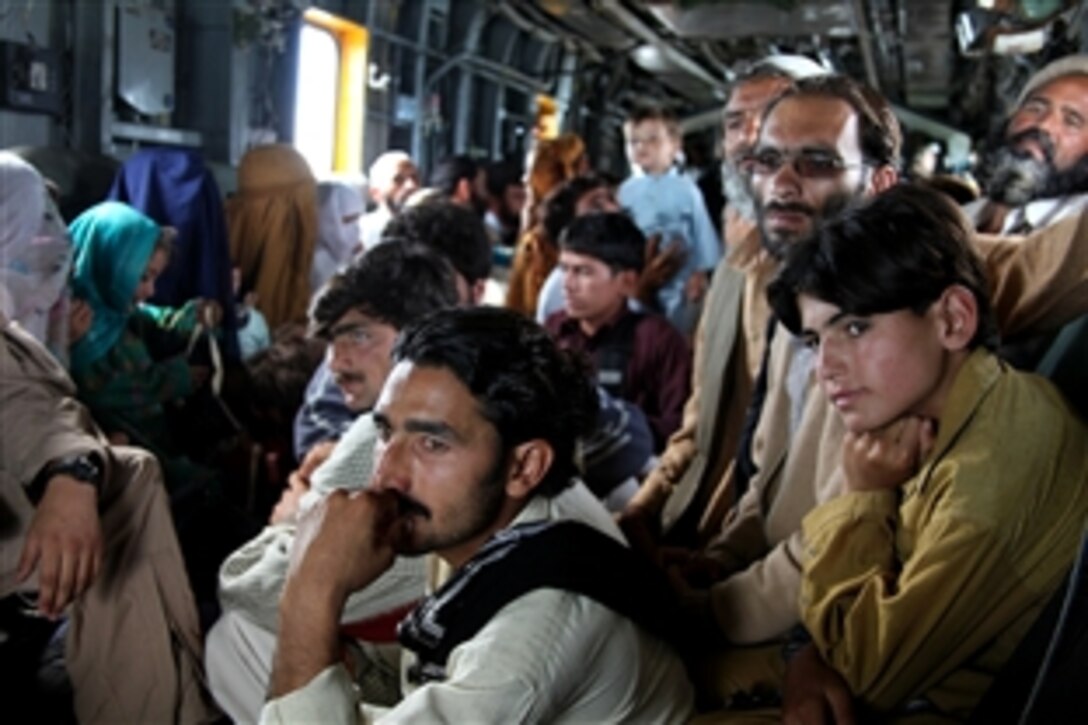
pixel 360 313
pixel 741 119
pixel 329 407
pixel 547 616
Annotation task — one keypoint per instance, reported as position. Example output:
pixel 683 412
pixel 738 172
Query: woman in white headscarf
pixel 35 256
pixel 339 207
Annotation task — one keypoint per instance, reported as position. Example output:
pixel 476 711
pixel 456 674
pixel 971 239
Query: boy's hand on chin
pixel 886 458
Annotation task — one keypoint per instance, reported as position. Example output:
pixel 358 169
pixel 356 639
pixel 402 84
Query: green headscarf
pixel 113 244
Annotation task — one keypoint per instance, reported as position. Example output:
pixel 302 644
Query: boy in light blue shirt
pixel 665 202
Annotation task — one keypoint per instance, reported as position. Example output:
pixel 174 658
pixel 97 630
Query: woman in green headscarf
pixel 132 361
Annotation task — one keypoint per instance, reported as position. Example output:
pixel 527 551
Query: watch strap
pixel 84 467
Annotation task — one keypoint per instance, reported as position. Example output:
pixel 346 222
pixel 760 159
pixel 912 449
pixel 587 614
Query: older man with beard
pixel 1038 174
pixel 393 178
pixel 741 119
pixel 686 496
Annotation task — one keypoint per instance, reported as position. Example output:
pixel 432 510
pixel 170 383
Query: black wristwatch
pixel 85 468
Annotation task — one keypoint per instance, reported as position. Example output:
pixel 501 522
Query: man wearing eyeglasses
pixel 822 145
pixel 802 175
pixel 360 312
pixel 327 411
pixel 684 499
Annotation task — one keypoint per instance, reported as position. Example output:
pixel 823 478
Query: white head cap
pixel 795 66
pixel 1070 65
pixel 385 168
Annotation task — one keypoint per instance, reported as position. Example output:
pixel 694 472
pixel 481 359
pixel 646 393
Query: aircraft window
pixel 316 97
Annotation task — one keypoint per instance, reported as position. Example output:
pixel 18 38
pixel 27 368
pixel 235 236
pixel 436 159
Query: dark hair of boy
pixel 638 114
pixel 610 237
pixel 395 283
pixel 900 251
pixel 558 209
pixel 453 230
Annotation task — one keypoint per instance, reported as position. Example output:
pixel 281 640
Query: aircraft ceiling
pixel 915 52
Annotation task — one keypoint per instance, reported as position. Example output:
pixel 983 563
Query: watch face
pixel 81 468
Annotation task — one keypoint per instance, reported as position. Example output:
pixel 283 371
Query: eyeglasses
pixel 353 336
pixel 807 164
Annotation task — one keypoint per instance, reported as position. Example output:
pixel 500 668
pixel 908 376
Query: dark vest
pixel 613 356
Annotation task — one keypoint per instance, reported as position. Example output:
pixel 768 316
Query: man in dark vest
pixel 636 354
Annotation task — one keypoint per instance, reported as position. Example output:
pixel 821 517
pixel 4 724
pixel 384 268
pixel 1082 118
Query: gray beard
pixel 738 193
pixel 1014 179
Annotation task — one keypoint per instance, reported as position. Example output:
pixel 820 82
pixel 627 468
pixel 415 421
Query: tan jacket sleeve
pixel 759 603
pixel 41 421
pixel 892 629
pixel 761 542
pixel 712 377
pixel 1038 282
pixel 743 536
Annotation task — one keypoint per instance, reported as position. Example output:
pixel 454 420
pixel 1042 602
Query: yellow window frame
pixel 354 41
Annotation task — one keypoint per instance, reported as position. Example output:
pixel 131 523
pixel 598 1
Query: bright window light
pixel 315 97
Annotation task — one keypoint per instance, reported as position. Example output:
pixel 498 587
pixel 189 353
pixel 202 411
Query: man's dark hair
pixel 452 230
pixel 500 175
pixel 396 283
pixel 900 251
pixel 525 385
pixel 450 171
pixel 610 237
pixel 557 211
pixel 881 138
